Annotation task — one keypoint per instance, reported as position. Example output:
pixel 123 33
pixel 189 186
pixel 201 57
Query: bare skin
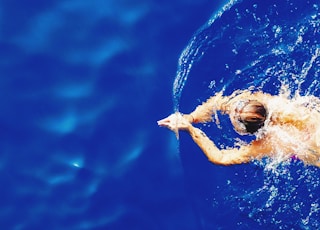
pixel 290 129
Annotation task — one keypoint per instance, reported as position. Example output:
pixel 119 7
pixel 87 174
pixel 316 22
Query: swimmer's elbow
pixel 222 163
pixel 218 161
pixel 227 158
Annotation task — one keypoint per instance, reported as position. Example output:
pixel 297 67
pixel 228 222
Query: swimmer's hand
pixel 175 122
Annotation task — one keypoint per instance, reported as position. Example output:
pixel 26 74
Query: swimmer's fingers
pixel 164 122
pixel 168 122
pixel 175 122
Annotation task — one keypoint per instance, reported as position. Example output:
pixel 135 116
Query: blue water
pixel 265 45
pixel 84 82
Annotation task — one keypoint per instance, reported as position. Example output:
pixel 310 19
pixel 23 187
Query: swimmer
pixel 284 128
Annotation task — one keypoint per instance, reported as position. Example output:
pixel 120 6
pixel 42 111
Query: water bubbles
pixel 235 51
pixel 238 71
pixel 212 84
pixel 313 209
pixel 273 194
pixel 277 30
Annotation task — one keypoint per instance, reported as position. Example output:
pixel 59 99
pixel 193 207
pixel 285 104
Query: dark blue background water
pixel 82 85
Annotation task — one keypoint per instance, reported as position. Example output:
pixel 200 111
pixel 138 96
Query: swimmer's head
pixel 248 116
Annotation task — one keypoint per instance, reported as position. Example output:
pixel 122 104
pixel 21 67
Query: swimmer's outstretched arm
pixel 240 155
pixel 203 113
pixel 231 156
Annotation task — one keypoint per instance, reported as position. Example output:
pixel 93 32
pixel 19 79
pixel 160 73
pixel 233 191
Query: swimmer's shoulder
pixel 262 96
pixel 257 95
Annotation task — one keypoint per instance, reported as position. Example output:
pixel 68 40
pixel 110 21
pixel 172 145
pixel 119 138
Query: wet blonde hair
pixel 248 116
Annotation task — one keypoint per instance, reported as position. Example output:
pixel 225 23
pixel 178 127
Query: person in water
pixel 284 128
